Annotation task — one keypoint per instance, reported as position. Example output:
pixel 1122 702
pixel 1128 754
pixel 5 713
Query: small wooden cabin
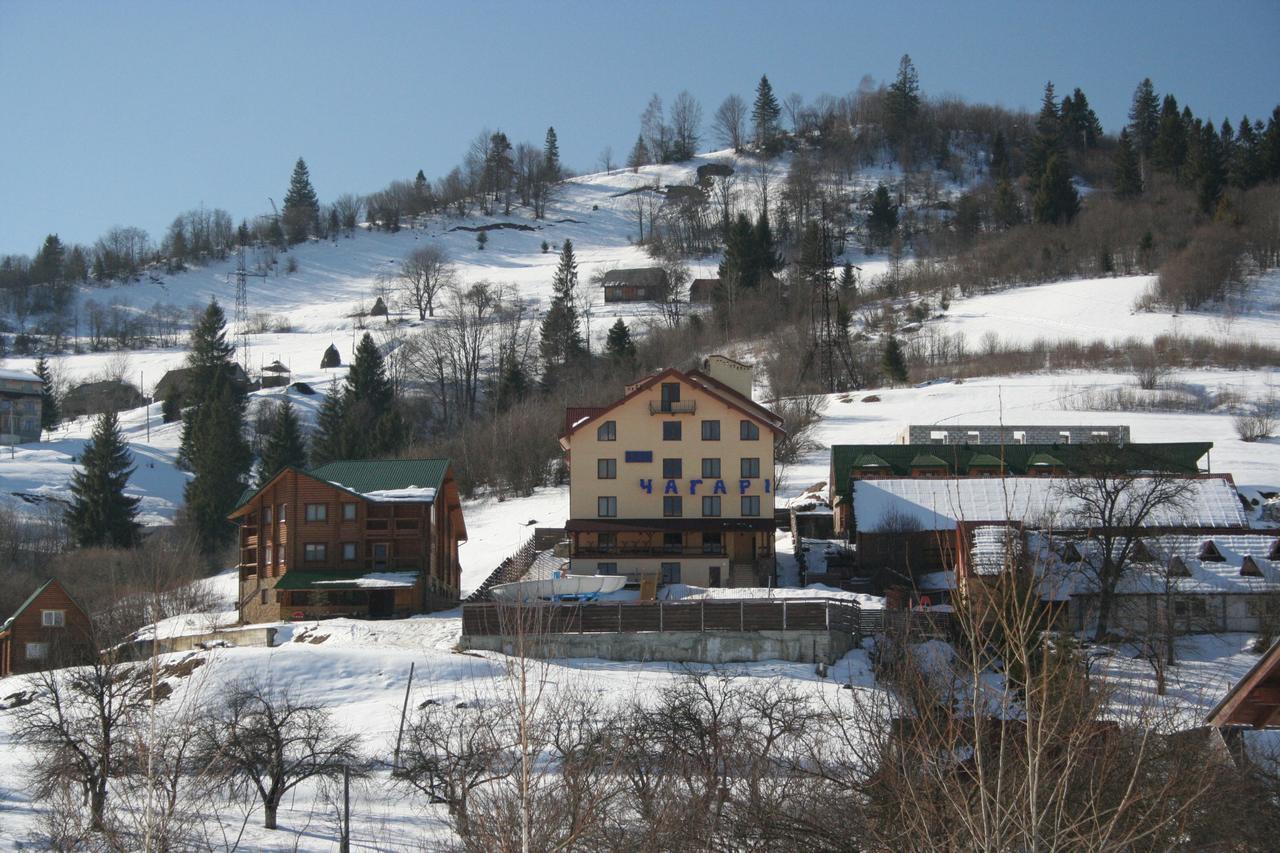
pixel 94 398
pixel 362 538
pixel 176 381
pixel 49 630
pixel 643 284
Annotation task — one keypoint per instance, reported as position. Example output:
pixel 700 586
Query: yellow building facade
pixel 675 480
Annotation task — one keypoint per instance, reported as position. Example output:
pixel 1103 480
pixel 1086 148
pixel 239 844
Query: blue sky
pixel 129 112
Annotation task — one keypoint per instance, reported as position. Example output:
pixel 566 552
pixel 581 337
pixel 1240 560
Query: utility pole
pixel 395 762
pixel 345 845
pixel 242 310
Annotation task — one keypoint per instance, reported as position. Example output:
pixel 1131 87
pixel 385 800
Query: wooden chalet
pixel 644 284
pixel 702 291
pixel 178 381
pixel 49 630
pixel 363 538
pixel 1254 700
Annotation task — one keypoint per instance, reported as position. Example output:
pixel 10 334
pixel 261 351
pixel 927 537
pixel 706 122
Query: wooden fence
pixel 489 619
pixel 508 571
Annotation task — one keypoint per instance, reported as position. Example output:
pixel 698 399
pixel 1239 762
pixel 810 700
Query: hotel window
pixel 53 618
pixel 672 469
pixel 348 512
pixel 607 431
pixel 606 469
pixel 606 568
pixel 348 550
pixel 711 506
pixel 670 394
pixel 37 651
pixel 712 544
pixel 750 468
pixel 670 430
pixel 711 469
pixel 749 431
pixel 266 514
pixel 317 512
pixel 671 573
pixel 672 506
pixel 313 552
pixel 750 504
pixel 607 507
pixel 710 430
pixel 606 542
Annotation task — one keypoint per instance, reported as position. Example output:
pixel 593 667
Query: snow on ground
pixel 1106 309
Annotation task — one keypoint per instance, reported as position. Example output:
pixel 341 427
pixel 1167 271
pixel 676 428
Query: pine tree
pixel 766 257
pixel 765 113
pixel 1144 117
pixel 639 155
pixel 739 268
pixel 551 155
pixel 561 341
pixel 50 415
pixel 220 458
pixel 513 381
pixel 1056 201
pixel 1169 150
pixel 372 424
pixel 46 267
pixel 848 282
pixel 329 442
pixel 882 217
pixel 893 362
pixel 902 102
pixel 1080 121
pixel 1209 168
pixel 1048 139
pixel 101 514
pixel 285 445
pixel 618 346
pixel 171 408
pixel 999 157
pixel 1127 175
pixel 301 206
pixel 209 360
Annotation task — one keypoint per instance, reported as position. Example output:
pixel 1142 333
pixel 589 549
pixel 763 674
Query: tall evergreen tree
pixel 220 458
pixel 1080 122
pixel 639 155
pixel 848 282
pixel 372 423
pixel 46 266
pixel 1144 117
pixel 561 341
pixel 766 256
pixel 1209 168
pixel 902 102
pixel 618 346
pixel 1056 200
pixel 1048 138
pixel 301 206
pixel 1127 175
pixel 551 155
pixel 1169 150
pixel 1270 154
pixel 209 360
pixel 101 514
pixel 50 414
pixel 285 445
pixel 882 217
pixel 765 113
pixel 739 267
pixel 893 362
pixel 329 441
pixel 999 157
pixel 1007 209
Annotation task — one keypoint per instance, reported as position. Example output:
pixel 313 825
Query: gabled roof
pixel 31 600
pixel 697 379
pixel 1179 457
pixel 417 480
pixel 1254 700
pixel 927 460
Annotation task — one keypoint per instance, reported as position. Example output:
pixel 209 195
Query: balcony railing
pixel 650 551
pixel 672 407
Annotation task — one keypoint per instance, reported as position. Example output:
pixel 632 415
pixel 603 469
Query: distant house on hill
pixel 702 290
pixel 275 375
pixel 49 630
pixel 707 171
pixel 642 284
pixel 107 395
pixel 362 538
pixel 177 380
pixel 20 406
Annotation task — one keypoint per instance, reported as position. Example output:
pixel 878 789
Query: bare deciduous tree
pixel 423 275
pixel 730 122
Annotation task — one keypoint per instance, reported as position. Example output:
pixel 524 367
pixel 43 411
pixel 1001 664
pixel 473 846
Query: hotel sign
pixel 716 487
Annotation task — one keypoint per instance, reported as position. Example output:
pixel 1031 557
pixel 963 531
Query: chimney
pixel 729 372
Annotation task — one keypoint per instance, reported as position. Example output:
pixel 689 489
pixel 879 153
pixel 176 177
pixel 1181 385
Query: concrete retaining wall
pixel 680 646
pixel 256 637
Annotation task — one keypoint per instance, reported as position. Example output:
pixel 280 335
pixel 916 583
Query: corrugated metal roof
pixel 376 475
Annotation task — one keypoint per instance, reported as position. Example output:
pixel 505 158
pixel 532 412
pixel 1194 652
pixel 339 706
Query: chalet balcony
pixel 656 552
pixel 672 407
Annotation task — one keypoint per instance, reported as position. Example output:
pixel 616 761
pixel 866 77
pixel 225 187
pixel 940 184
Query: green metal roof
pixel 846 459
pixel 336 579
pixel 25 604
pixel 870 460
pixel 361 476
pixel 984 460
pixel 1044 459
pixel 927 460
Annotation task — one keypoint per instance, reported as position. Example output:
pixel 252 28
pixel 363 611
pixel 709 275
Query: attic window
pixel 1249 569
pixel 938 436
pixel 1100 436
pixel 1019 437
pixel 1178 568
pixel 1064 437
pixel 1209 552
pixel 1141 553
pixel 1071 554
pixel 973 436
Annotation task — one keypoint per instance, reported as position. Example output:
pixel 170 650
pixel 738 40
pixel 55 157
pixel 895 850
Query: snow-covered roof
pixel 375 580
pixel 994 547
pixel 407 494
pixel 938 504
pixel 18 375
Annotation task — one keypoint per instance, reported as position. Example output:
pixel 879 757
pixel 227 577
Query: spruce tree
pixel 1169 150
pixel 50 415
pixel 848 282
pixel 101 514
pixel 372 424
pixel 1056 201
pixel 618 346
pixel 902 102
pixel 1210 168
pixel 1127 176
pixel 639 155
pixel 1144 117
pixel 329 442
pixel 1007 209
pixel 765 113
pixel 561 341
pixel 766 256
pixel 219 458
pixel 551 155
pixel 999 157
pixel 882 217
pixel 285 445
pixel 301 206
pixel 1048 138
pixel 1080 122
pixel 739 268
pixel 210 364
pixel 893 362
